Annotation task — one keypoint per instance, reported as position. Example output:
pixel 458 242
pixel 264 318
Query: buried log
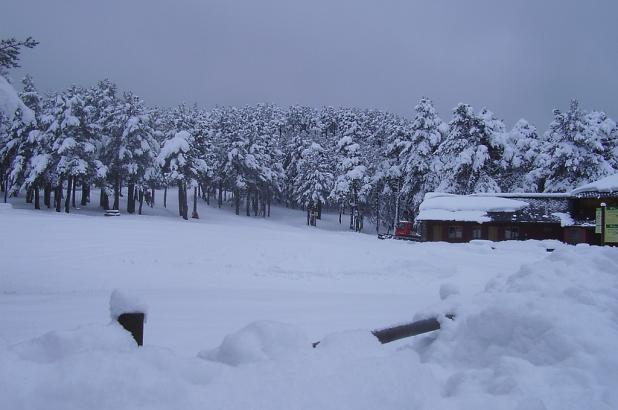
pixel 390 334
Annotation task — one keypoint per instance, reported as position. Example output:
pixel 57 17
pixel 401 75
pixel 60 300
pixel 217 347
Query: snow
pixel 565 219
pixel 607 184
pixel 10 102
pixel 532 329
pixel 259 341
pixel 449 207
pixel 121 302
pixel 173 146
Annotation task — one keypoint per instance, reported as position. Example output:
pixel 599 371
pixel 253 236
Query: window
pixel 511 233
pixel 476 233
pixel 455 232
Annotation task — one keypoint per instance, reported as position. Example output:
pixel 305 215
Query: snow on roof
pixel 607 184
pixel 467 208
pixel 10 101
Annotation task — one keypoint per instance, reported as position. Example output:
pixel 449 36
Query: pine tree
pixel 313 180
pixel 573 152
pixel 468 158
pixel 418 151
pixel 522 148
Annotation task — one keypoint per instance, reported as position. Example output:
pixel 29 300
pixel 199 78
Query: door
pixel 492 233
pixel 437 233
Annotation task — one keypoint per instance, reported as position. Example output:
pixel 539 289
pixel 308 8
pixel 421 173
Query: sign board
pixel 598 221
pixel 611 225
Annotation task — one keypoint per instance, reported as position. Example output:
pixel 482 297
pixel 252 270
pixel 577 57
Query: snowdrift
pixel 541 338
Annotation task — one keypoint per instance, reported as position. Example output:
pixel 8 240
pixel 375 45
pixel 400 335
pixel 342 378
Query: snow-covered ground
pixel 235 302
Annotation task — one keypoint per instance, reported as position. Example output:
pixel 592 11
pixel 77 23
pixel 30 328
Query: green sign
pixel 611 225
pixel 598 221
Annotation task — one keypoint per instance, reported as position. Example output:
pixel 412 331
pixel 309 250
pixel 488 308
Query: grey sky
pixel 519 58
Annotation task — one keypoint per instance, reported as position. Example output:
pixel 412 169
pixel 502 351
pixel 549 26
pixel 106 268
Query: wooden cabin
pixel 568 217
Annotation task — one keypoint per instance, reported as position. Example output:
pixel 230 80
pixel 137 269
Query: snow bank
pixel 120 302
pixel 257 342
pixel 448 207
pixel 541 338
pixel 10 102
pixel 607 184
pixel 58 345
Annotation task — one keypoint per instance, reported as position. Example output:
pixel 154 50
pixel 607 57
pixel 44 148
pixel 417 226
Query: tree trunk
pixel 6 188
pixel 37 199
pixel 152 198
pixel 47 195
pixel 320 210
pixel 269 200
pixel 141 201
pixel 340 211
pixel 131 198
pixel 255 200
pixel 85 194
pixel 67 200
pixel 104 200
pixel 165 197
pixel 308 216
pixel 185 202
pixel 220 200
pixel 29 195
pixel 194 215
pixel 73 193
pixel 237 201
pixel 58 197
pixel 116 194
pixel 180 206
pixel 247 203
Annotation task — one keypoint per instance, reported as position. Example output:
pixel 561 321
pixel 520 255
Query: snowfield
pixel 234 304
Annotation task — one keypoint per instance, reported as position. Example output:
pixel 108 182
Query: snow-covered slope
pixel 533 330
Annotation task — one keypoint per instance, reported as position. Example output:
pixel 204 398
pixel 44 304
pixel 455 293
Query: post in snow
pixel 130 313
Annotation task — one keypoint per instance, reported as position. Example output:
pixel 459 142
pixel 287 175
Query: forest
pixel 366 164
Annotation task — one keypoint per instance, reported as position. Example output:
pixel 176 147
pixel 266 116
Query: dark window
pixel 511 233
pixel 476 233
pixel 455 232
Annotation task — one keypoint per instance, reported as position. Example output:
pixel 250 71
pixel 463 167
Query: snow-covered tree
pixel 468 158
pixel 181 158
pixel 573 152
pixel 521 150
pixel 352 182
pixel 313 180
pixel 73 152
pixel 417 152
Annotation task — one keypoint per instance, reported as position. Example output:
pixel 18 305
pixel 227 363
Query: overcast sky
pixel 519 58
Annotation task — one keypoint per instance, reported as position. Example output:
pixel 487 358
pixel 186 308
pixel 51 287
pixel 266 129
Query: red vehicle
pixel 404 230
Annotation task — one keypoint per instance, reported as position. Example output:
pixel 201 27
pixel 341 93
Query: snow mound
pixel 448 289
pixel 54 346
pixel 5 207
pixel 259 341
pixel 353 344
pixel 544 335
pixel 120 303
pixel 607 184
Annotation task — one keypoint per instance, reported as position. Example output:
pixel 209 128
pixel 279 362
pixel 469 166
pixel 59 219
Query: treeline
pixel 365 163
